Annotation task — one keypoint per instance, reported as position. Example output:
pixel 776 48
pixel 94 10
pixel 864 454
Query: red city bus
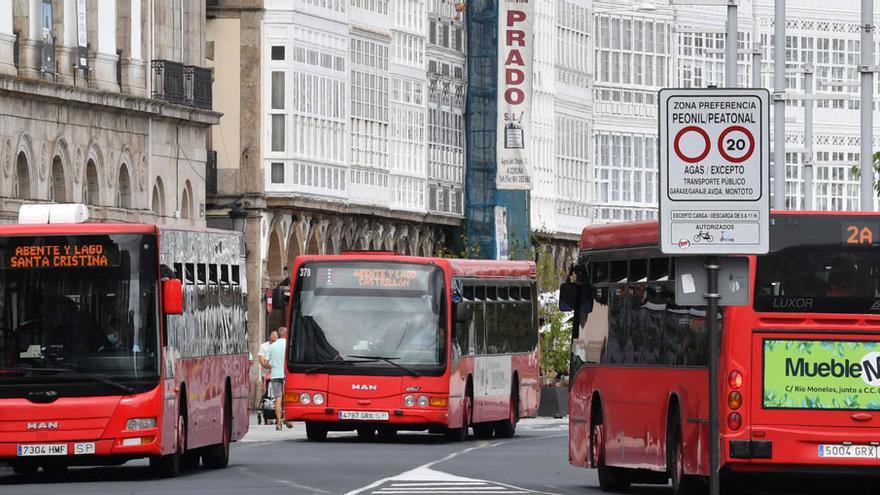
pixel 119 341
pixel 800 375
pixel 382 342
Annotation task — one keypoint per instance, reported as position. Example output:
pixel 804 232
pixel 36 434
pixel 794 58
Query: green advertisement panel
pixel 821 374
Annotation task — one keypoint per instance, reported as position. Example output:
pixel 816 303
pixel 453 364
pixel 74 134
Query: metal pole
pixel 712 298
pixel 757 52
pixel 808 137
pixel 779 106
pixel 730 46
pixel 866 158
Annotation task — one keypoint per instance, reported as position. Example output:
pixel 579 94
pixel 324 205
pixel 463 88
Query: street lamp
pixel 238 216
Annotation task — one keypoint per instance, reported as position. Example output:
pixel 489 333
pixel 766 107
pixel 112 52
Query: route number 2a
pixel 858 235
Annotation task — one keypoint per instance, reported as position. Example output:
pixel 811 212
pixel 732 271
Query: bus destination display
pixel 372 278
pixel 60 256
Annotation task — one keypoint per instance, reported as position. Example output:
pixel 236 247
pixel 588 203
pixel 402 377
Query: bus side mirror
pixel 279 301
pixel 460 313
pixel 172 296
pixel 576 297
pixel 568 296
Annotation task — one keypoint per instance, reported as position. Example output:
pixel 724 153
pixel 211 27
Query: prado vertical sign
pixel 513 145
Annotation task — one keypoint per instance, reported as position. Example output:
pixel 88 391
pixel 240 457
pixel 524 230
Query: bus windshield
pixel 368 315
pixel 820 264
pixel 79 311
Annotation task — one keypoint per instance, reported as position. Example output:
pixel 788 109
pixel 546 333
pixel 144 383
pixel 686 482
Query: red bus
pixel 119 341
pixel 382 342
pixel 799 372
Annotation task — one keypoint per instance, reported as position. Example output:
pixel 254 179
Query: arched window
pixel 123 192
pixel 90 185
pixel 158 204
pixel 22 178
pixel 57 185
pixel 184 205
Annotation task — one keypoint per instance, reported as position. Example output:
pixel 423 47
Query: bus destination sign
pixel 60 256
pixel 714 171
pixel 372 278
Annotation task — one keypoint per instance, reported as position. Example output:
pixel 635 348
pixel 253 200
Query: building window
pixel 123 193
pixel 277 173
pixel 90 190
pixel 277 90
pixel 278 132
pixel 22 178
pixel 277 52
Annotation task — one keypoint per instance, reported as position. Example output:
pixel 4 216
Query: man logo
pixel 876 305
pixel 357 386
pixel 51 425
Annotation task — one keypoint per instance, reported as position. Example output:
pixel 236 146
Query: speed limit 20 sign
pixel 714 171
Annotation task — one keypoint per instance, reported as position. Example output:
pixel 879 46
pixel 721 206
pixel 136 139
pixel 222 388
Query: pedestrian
pixel 274 361
pixel 264 347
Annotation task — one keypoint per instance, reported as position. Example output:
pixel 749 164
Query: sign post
pixel 714 196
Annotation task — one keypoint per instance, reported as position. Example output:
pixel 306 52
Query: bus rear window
pixel 819 279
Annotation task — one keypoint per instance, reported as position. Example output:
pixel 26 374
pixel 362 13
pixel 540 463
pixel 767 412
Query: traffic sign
pixel 714 171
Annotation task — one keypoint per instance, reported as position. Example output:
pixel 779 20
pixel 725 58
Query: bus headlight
pixel 318 399
pixel 423 401
pixel 305 399
pixel 409 400
pixel 140 424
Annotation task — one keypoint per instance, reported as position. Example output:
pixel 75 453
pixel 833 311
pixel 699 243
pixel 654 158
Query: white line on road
pixel 425 474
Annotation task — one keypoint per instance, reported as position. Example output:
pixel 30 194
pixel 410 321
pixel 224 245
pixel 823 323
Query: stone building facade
pixel 110 108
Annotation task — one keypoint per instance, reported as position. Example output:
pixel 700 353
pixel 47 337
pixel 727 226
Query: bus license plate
pixel 848 451
pixel 364 415
pixel 42 449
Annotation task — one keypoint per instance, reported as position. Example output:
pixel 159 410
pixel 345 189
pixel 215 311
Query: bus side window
pixel 190 274
pixel 224 274
pixel 202 274
pixel 617 331
pixel 213 278
pixel 236 277
pixel 178 271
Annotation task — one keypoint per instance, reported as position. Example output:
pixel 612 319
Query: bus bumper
pixel 797 449
pixel 87 452
pixel 409 418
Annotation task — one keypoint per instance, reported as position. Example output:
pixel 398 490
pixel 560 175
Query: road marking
pixel 429 478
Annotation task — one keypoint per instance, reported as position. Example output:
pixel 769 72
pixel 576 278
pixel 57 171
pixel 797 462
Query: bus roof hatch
pixel 53 213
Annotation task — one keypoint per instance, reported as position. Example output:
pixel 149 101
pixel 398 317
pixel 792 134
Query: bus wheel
pixel 315 432
pixel 610 479
pixel 483 431
pixel 507 428
pixel 217 457
pixel 682 484
pixel 460 434
pixel 168 466
pixel 366 434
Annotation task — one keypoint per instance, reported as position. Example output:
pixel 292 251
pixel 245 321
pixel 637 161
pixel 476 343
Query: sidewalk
pixel 267 433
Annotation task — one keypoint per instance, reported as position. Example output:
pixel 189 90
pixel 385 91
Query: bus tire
pixel 168 466
pixel 482 431
pixel 682 484
pixel 613 479
pixel 217 456
pixel 315 432
pixel 507 428
pixel 467 413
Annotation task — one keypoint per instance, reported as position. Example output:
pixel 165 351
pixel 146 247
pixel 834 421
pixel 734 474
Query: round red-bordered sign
pixel 677 142
pixel 748 135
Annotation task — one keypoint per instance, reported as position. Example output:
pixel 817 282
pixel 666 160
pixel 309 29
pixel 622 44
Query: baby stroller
pixel 267 405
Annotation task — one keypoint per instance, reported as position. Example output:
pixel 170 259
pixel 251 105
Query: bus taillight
pixel 734 400
pixel 734 421
pixel 735 379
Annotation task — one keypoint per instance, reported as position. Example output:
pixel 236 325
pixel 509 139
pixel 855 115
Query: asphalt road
pixel 269 462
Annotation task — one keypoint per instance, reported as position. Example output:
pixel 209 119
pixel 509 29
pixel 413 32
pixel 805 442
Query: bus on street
pixel 382 342
pixel 799 385
pixel 118 342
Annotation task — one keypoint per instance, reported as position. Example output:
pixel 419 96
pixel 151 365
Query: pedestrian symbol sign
pixel 714 171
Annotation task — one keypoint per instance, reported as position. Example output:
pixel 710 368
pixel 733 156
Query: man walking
pixel 274 361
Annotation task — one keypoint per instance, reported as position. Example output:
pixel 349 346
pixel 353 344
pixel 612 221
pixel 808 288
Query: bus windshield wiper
pixel 336 362
pixel 391 361
pixel 102 379
pixel 24 370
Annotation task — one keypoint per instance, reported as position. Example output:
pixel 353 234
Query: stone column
pixel 65 44
pixel 130 40
pixel 26 19
pixel 103 54
pixel 7 38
